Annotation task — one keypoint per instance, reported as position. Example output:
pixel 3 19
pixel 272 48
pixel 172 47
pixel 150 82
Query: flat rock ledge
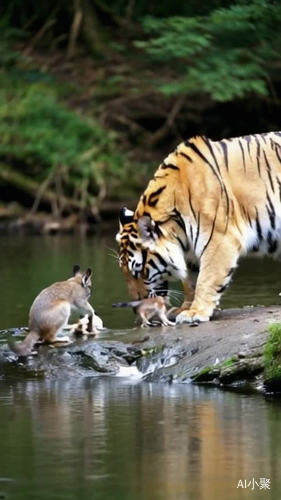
pixel 237 349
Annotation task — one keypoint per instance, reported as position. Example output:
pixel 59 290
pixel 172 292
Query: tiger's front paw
pixel 192 317
pixel 173 312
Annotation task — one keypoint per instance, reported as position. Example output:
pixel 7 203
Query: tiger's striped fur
pixel 208 204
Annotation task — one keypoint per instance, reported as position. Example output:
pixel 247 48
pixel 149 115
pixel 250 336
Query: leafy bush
pixel 227 54
pixel 272 353
pixel 50 141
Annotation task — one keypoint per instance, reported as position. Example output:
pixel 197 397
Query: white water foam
pixel 129 371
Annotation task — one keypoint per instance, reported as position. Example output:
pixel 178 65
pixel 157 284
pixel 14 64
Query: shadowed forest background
pixel 94 93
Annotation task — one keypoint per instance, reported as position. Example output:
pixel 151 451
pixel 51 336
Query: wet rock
pixel 237 349
pixel 273 385
pixel 244 369
pixel 86 358
pixel 207 374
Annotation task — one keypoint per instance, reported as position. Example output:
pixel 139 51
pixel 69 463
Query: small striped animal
pixel 209 203
pixel 150 310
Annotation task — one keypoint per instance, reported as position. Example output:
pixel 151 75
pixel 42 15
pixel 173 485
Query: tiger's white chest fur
pixel 263 239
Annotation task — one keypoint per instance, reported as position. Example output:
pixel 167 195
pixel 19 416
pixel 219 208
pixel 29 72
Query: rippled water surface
pixel 114 438
pixel 29 264
pixel 110 439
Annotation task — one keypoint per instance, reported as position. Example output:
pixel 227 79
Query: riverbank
pixel 14 220
pixel 233 351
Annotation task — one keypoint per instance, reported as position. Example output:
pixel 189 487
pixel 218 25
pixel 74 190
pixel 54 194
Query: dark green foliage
pixel 227 54
pixel 50 141
pixel 46 142
pixel 140 94
pixel 8 55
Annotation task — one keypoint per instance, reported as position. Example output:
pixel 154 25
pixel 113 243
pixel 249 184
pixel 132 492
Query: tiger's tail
pixel 133 303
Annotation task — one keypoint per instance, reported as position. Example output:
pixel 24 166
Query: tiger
pixel 208 204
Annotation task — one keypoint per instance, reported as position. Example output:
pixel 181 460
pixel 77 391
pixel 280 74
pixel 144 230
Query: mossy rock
pixel 208 374
pixel 229 361
pixel 241 370
pixel 272 359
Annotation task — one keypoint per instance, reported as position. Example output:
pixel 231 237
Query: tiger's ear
pixel 125 216
pixel 147 228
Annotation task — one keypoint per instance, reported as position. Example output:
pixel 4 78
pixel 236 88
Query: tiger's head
pixel 150 253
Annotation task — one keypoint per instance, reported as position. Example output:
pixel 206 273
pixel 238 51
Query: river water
pixel 119 438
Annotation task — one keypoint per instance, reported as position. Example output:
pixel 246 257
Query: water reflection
pixel 106 438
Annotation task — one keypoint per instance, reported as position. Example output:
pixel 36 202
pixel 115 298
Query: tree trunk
pixel 75 29
pixel 90 29
pixel 32 187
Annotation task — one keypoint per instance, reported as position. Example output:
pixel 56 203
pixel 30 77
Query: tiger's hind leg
pixel 216 268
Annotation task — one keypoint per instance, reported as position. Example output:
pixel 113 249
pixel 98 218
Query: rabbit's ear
pixel 86 278
pixel 76 269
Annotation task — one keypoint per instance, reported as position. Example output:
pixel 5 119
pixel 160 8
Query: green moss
pixel 210 372
pixel 272 353
pixel 152 350
pixel 205 370
pixel 206 374
pixel 229 361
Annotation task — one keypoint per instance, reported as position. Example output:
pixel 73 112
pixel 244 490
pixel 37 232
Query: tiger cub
pixel 153 308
